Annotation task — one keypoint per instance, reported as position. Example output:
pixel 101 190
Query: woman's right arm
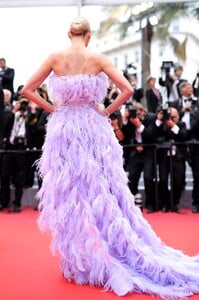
pixel 126 90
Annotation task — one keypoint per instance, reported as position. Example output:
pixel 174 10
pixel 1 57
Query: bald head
pixel 174 115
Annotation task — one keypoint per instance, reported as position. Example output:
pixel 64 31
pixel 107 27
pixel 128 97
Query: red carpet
pixel 28 271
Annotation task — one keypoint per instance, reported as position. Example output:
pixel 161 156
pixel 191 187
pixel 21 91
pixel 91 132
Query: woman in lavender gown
pixel 100 235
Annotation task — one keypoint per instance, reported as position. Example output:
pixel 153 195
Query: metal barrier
pixel 155 146
pixel 169 146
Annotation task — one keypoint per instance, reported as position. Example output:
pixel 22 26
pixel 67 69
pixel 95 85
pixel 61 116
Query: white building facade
pixel 128 50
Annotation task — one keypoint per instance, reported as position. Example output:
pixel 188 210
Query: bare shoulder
pixel 57 55
pixel 101 58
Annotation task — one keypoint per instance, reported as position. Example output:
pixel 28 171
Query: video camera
pixel 166 66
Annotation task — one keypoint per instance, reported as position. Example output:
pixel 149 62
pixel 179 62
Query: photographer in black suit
pixel 193 137
pixel 195 85
pixel 1 117
pixel 188 106
pixel 139 130
pixel 6 76
pixel 171 157
pixel 187 102
pixel 171 81
pixel 13 164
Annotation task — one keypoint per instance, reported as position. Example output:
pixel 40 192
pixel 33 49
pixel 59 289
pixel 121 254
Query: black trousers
pixel 168 166
pixel 195 173
pixel 135 167
pixel 138 162
pixel 13 170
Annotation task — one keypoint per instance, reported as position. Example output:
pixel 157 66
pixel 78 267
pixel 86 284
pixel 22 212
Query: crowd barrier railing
pixel 156 147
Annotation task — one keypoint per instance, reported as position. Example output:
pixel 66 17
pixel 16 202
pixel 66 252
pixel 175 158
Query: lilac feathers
pixel 101 237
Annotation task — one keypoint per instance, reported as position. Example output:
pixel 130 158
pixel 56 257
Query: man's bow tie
pixel 187 100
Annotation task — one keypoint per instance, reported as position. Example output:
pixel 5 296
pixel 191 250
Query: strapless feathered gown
pixel 100 235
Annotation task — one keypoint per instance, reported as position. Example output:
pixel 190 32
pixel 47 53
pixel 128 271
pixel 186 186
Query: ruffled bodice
pixel 78 89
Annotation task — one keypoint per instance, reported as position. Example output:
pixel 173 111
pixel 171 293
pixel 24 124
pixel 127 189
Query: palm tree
pixel 165 12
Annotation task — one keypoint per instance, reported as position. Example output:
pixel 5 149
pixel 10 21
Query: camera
pixel 130 69
pixel 166 66
pixel 165 111
pixel 23 106
pixel 132 111
pixel 114 116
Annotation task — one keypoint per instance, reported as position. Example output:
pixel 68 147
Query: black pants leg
pixel 195 172
pixel 149 179
pixel 163 195
pixel 6 173
pixel 19 175
pixel 135 168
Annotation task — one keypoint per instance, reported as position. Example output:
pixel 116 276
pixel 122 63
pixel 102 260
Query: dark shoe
pixel 14 209
pixel 175 209
pixel 150 210
pixel 165 209
pixel 195 209
pixel 2 207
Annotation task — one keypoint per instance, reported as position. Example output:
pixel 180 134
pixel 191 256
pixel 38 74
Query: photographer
pixel 138 130
pixel 171 81
pixel 171 158
pixel 116 123
pixel 189 111
pixel 138 92
pixel 14 163
pixel 6 76
pixel 195 85
pixel 35 138
pixel 1 117
pixel 186 103
pixel 131 76
pixel 112 93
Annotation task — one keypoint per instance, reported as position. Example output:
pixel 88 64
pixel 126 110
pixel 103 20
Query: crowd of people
pixel 23 127
pixel 158 137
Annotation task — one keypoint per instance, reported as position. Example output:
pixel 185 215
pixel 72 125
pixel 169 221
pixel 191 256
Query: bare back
pixel 76 61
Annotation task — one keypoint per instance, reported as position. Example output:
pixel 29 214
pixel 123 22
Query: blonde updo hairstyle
pixel 80 26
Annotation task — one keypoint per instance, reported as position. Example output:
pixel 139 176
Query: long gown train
pixel 100 235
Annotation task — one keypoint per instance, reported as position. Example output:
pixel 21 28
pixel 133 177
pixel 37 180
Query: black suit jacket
pixel 178 104
pixel 167 137
pixel 7 79
pixel 8 122
pixel 1 116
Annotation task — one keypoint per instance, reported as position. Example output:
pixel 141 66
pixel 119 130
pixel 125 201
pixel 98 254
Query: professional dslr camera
pixel 132 111
pixel 114 116
pixel 166 66
pixel 23 106
pixel 165 111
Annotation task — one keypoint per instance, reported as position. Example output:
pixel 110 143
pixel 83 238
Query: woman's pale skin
pixel 77 59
